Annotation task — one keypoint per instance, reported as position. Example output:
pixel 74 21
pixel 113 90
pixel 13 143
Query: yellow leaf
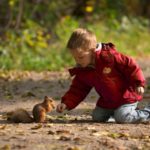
pixel 89 9
pixel 39 32
pixel 30 42
pixel 48 36
pixel 114 135
pixel 40 38
pixel 11 3
pixel 42 44
pixel 6 147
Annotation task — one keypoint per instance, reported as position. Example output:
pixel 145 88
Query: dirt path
pixel 72 130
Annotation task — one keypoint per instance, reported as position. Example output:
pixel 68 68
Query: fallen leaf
pixel 3 116
pixel 114 135
pixel 5 147
pixel 63 132
pixel 90 128
pixel 124 135
pixel 37 127
pixel 20 132
pixel 48 125
pixel 51 132
pixel 73 148
pixel 2 133
pixel 104 133
pixel 78 140
pixel 2 127
pixel 65 138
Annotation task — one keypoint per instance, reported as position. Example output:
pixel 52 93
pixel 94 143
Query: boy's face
pixel 83 58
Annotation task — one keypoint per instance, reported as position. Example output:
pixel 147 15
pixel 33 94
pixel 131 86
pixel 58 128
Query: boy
pixel 116 78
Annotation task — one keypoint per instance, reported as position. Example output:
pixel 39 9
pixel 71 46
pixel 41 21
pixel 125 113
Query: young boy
pixel 117 79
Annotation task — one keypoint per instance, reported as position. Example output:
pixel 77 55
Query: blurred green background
pixel 33 33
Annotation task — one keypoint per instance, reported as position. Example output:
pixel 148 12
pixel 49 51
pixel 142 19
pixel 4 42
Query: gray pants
pixel 124 114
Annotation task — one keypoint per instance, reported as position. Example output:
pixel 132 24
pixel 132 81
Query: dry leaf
pixel 100 133
pixel 73 148
pixel 20 132
pixel 124 135
pixel 78 140
pixel 63 132
pixel 5 147
pixel 51 132
pixel 2 127
pixel 114 135
pixel 48 125
pixel 90 128
pixel 37 127
pixel 65 138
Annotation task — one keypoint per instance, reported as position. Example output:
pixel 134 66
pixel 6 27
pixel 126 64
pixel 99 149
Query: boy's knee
pixel 123 116
pixel 99 118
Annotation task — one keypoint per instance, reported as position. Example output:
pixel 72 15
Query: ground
pixel 72 130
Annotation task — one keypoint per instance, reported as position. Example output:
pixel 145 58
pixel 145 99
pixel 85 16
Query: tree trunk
pixel 19 17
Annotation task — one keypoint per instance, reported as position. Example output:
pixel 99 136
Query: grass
pixel 28 49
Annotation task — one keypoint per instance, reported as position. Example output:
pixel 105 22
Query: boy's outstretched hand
pixel 61 107
pixel 140 90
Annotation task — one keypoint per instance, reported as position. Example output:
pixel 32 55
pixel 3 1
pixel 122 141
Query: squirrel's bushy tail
pixel 19 116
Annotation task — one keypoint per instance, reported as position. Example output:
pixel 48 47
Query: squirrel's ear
pixel 46 97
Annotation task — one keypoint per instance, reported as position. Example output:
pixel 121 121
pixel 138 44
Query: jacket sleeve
pixel 77 92
pixel 130 69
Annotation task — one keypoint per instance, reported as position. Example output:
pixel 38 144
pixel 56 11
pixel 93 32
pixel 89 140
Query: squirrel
pixel 39 112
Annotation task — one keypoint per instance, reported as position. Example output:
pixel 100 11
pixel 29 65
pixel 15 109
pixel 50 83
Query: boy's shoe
pixel 147 109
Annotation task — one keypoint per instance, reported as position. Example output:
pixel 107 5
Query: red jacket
pixel 114 77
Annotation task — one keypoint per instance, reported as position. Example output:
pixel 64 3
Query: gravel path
pixel 72 130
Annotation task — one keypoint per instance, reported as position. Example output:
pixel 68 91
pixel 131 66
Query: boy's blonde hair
pixel 83 39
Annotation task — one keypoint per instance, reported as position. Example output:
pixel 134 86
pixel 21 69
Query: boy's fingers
pixel 140 90
pixel 59 108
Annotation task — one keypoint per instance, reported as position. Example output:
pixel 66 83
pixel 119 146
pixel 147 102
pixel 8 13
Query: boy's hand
pixel 61 107
pixel 140 90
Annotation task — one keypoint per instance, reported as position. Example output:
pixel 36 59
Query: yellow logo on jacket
pixel 106 70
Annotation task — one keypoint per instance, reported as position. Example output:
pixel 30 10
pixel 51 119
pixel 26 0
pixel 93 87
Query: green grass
pixel 28 49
